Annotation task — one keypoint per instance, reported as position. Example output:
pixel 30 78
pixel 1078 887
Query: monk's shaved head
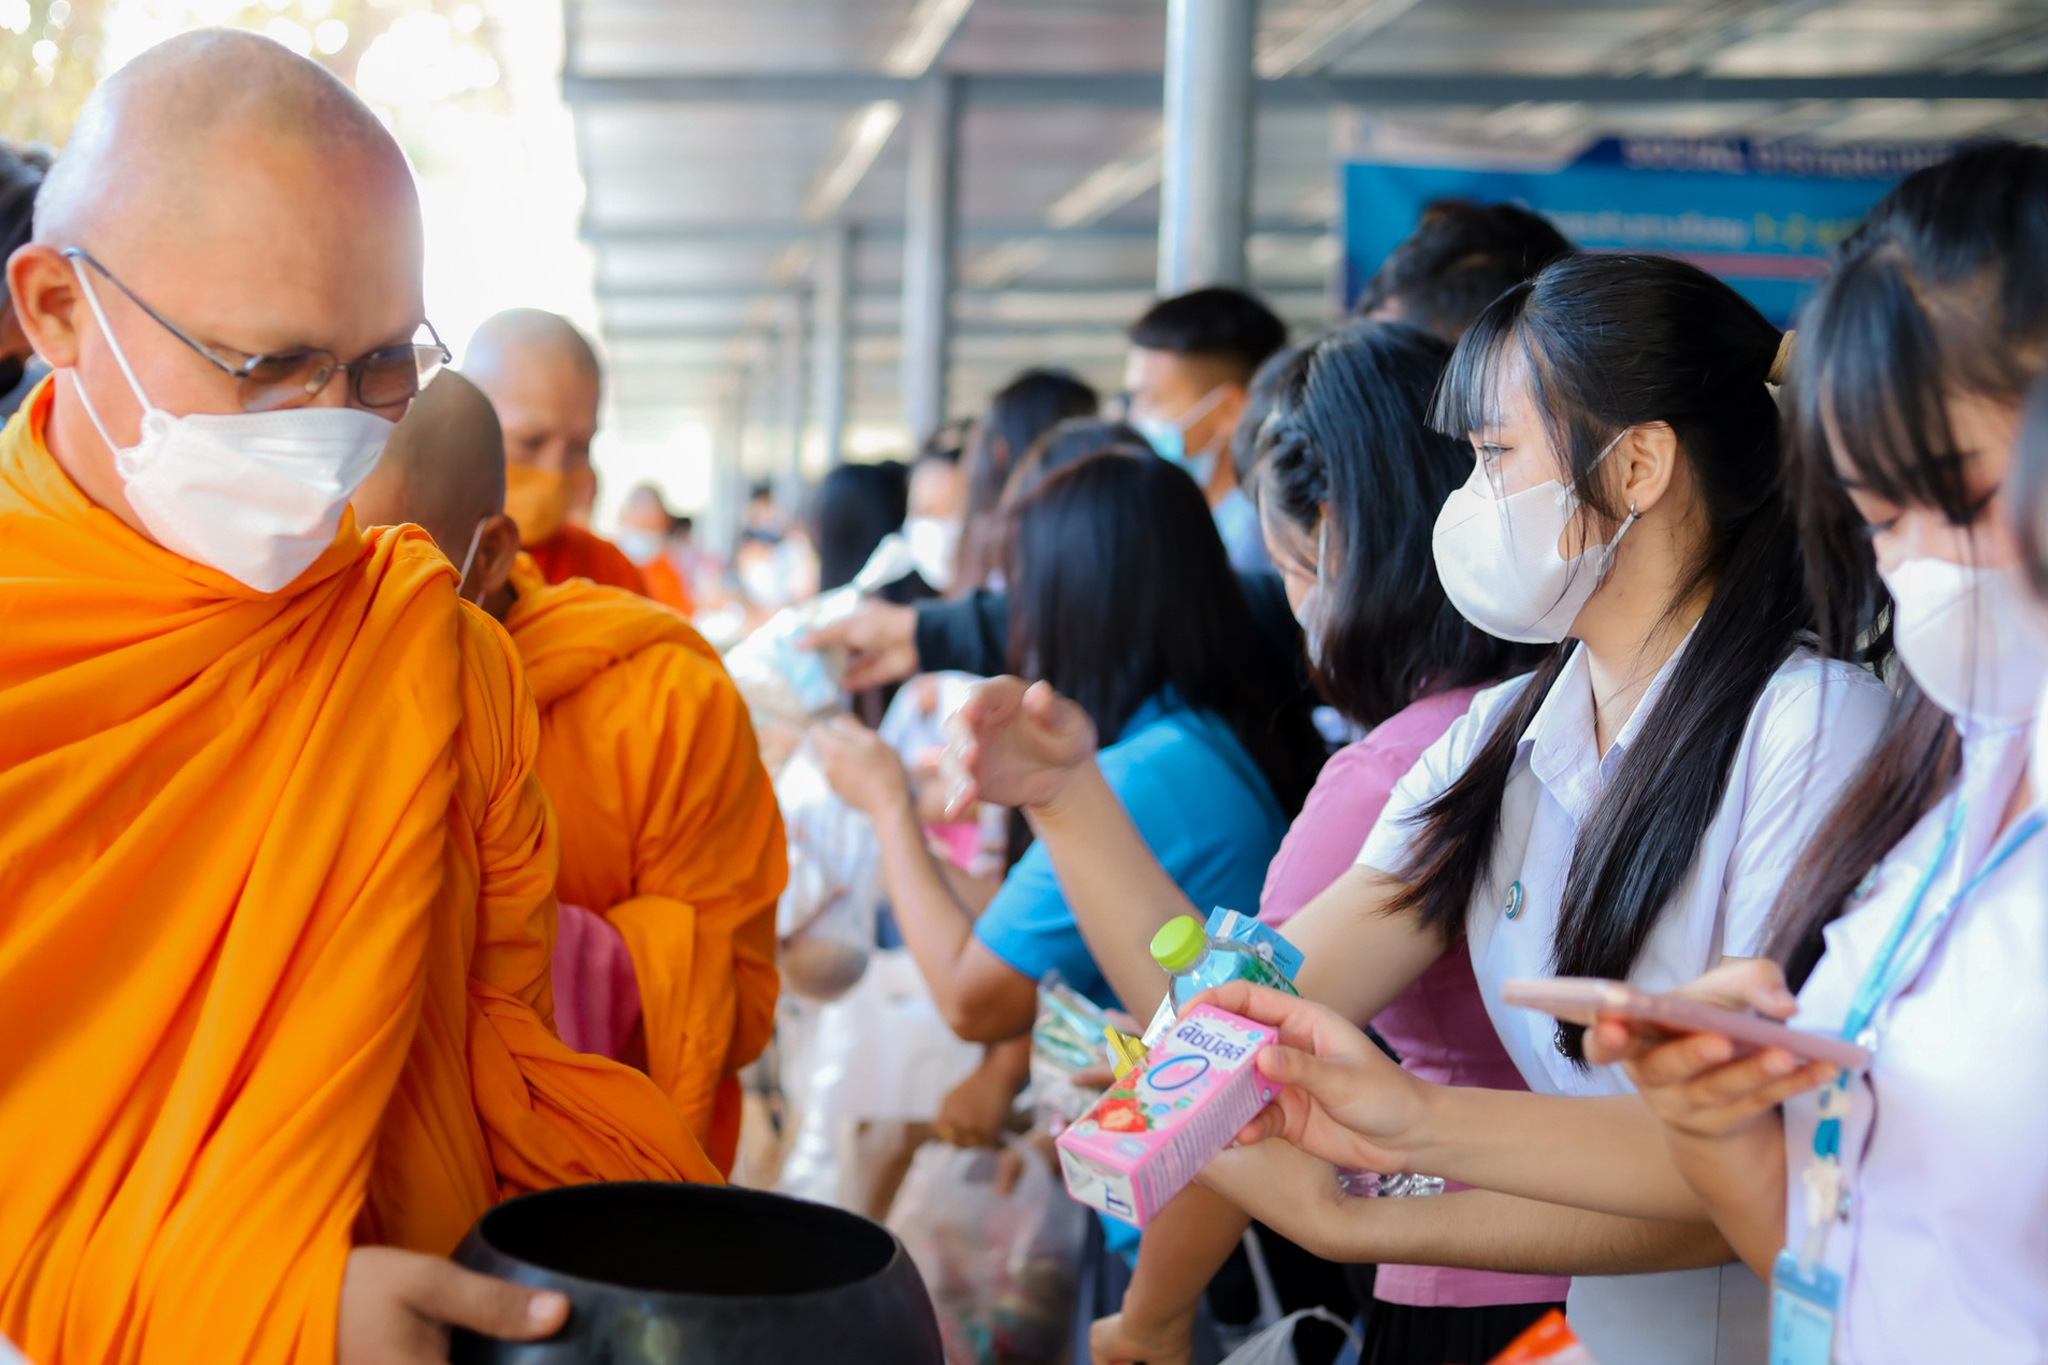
pixel 246 197
pixel 443 469
pixel 526 335
pixel 151 141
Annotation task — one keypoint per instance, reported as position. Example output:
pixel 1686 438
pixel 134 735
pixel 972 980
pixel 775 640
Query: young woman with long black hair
pixel 1630 809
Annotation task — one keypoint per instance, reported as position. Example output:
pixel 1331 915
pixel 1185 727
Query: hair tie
pixel 1781 363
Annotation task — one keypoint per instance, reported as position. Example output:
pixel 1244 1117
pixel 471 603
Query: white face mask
pixel 256 495
pixel 642 547
pixel 1966 635
pixel 1309 615
pixel 934 546
pixel 1499 563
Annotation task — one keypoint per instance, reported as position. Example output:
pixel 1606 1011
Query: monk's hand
pixel 1015 745
pixel 880 640
pixel 1341 1098
pixel 1696 1082
pixel 397 1308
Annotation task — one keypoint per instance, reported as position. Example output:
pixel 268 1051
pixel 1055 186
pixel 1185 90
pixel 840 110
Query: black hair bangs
pixel 1868 386
pixel 1466 397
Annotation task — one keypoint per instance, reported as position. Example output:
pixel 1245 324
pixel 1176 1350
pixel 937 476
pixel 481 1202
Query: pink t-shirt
pixel 1439 1024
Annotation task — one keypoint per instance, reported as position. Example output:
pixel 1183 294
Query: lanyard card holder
pixel 1804 1301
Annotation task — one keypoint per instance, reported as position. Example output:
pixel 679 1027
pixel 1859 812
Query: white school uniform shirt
pixel 1812 725
pixel 1943 1251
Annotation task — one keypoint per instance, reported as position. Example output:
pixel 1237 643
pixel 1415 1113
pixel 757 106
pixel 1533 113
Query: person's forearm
pixel 1119 893
pixel 1741 1182
pixel 1181 1252
pixel 1298 1196
pixel 1009 1062
pixel 1603 1154
pixel 935 926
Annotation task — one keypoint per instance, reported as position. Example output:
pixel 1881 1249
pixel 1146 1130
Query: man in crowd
pixel 277 874
pixel 543 378
pixel 669 825
pixel 1192 358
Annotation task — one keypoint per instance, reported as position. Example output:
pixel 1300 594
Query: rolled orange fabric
pixel 669 827
pixel 239 966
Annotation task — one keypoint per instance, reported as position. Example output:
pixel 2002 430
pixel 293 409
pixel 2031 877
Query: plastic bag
pixel 825 921
pixel 1000 1267
pixel 1275 1344
pixel 788 685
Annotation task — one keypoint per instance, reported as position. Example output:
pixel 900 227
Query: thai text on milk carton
pixel 1150 1134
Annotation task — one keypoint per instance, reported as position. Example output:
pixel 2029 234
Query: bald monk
pixel 669 824
pixel 542 377
pixel 275 871
pixel 646 527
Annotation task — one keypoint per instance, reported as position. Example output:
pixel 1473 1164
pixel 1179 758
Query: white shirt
pixel 1944 1249
pixel 1811 726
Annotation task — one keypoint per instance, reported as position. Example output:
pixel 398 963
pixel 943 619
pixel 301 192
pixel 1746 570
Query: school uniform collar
pixel 1560 744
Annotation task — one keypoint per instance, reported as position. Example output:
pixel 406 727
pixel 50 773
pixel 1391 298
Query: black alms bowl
pixel 661 1274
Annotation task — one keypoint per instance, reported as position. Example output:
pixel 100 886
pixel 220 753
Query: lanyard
pixel 1883 977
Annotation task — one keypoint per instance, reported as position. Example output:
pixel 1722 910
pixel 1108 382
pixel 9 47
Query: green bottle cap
pixel 1179 943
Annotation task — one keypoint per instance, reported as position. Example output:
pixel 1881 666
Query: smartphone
pixel 1585 999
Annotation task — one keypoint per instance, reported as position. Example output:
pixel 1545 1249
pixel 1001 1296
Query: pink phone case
pixel 1583 999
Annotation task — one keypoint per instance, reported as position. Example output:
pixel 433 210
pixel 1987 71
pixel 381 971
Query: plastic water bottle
pixel 1196 961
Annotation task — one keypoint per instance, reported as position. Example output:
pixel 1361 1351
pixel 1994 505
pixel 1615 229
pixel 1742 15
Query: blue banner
pixel 1762 216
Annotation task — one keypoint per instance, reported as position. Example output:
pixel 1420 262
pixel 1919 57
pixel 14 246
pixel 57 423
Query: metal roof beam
pixel 1139 90
pixel 771 234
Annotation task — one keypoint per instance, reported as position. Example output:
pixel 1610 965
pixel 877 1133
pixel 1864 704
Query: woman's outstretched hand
pixel 1014 745
pixel 1341 1098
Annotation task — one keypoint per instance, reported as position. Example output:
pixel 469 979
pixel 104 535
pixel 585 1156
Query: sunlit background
pixel 472 91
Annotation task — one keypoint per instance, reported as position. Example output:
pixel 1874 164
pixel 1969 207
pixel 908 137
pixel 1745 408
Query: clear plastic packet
pixel 784 683
pixel 1066 1038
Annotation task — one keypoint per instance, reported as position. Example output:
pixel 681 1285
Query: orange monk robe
pixel 669 827
pixel 665 585
pixel 232 829
pixel 572 552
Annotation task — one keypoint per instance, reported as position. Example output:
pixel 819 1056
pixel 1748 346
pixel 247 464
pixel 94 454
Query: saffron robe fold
pixel 275 915
pixel 669 827
pixel 573 552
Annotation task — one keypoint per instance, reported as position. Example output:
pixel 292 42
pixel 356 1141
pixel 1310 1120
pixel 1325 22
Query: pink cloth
pixel 1439 1024
pixel 597 997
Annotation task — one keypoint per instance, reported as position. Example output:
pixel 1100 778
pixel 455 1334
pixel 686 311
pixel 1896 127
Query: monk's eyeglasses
pixel 387 377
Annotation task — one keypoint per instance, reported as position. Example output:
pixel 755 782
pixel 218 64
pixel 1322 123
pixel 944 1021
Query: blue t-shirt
pixel 1202 807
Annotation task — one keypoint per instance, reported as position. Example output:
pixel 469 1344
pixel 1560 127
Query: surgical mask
pixel 1498 559
pixel 934 548
pixel 1965 634
pixel 256 495
pixel 1309 615
pixel 538 500
pixel 1169 437
pixel 642 547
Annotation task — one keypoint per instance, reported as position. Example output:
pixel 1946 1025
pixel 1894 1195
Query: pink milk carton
pixel 1154 1130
